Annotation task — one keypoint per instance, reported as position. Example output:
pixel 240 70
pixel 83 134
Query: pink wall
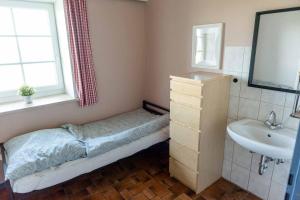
pixel 118 40
pixel 169 34
pixel 121 41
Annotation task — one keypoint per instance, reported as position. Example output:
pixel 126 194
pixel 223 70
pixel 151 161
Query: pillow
pixel 40 150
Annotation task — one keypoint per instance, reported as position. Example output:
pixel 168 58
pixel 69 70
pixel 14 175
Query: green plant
pixel 26 91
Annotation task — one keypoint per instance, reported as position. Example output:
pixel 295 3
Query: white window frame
pixel 218 44
pixel 10 96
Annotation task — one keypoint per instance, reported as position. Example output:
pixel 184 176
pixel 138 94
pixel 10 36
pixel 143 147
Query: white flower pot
pixel 28 99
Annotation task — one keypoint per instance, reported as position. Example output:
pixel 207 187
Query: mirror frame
pixel 254 46
pixel 220 27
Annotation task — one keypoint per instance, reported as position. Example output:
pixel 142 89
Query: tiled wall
pixel 240 166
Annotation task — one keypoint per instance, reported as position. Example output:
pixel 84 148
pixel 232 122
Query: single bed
pixel 72 169
pixel 69 170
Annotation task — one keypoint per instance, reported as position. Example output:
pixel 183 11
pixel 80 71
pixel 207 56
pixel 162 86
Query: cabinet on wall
pixel 198 111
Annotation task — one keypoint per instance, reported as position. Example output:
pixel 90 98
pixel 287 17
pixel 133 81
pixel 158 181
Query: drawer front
pixel 191 101
pixel 183 174
pixel 184 155
pixel 185 136
pixel 185 115
pixel 185 88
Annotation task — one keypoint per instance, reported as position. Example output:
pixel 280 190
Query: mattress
pixel 72 169
pixel 105 135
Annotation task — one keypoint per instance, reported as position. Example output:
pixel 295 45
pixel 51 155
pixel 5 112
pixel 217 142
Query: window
pixel 29 49
pixel 207 43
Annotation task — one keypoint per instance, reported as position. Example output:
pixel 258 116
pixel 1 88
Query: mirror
pixel 207 46
pixel 275 60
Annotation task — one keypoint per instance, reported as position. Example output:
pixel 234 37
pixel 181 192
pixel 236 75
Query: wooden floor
pixel 143 176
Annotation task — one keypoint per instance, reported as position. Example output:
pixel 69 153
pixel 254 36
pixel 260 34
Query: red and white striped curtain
pixel 81 52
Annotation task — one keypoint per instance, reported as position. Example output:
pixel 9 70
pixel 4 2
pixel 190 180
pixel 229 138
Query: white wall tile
pixel 228 150
pixel 253 103
pixel 273 97
pixel 277 191
pixel 281 173
pixel 235 87
pixel 249 92
pixel 240 176
pixel 290 99
pixel 248 109
pixel 242 156
pixel 259 185
pixel 266 108
pixel 247 59
pixel 233 107
pixel 226 171
pixel 289 121
pixel 255 167
pixel 233 59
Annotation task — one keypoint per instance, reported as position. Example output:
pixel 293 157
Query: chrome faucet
pixel 271 122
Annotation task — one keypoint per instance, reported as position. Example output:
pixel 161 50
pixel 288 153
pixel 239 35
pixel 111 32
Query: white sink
pixel 255 136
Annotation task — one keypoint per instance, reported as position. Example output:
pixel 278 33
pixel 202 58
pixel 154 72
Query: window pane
pixel 200 32
pixel 6 23
pixel 211 42
pixel 211 58
pixel 36 49
pixel 42 74
pixel 10 77
pixel 199 57
pixel 8 50
pixel 200 43
pixel 32 21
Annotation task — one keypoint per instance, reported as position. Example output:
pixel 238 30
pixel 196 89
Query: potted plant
pixel 26 92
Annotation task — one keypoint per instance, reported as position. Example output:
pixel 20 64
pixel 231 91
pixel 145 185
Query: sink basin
pixel 255 136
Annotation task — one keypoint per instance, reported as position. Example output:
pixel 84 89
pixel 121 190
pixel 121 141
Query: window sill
pixel 9 108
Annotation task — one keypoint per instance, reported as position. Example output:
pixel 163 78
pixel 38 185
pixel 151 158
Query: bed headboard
pixel 154 108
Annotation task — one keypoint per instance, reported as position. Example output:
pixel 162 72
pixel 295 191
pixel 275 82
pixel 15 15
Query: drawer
pixel 184 155
pixel 185 115
pixel 183 174
pixel 192 101
pixel 185 88
pixel 185 136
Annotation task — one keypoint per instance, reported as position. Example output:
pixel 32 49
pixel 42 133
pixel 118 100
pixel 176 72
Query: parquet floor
pixel 143 176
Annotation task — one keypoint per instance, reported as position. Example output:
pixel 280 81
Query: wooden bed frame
pixel 5 184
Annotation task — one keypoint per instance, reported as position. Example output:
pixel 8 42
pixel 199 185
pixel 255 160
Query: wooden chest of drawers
pixel 198 111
